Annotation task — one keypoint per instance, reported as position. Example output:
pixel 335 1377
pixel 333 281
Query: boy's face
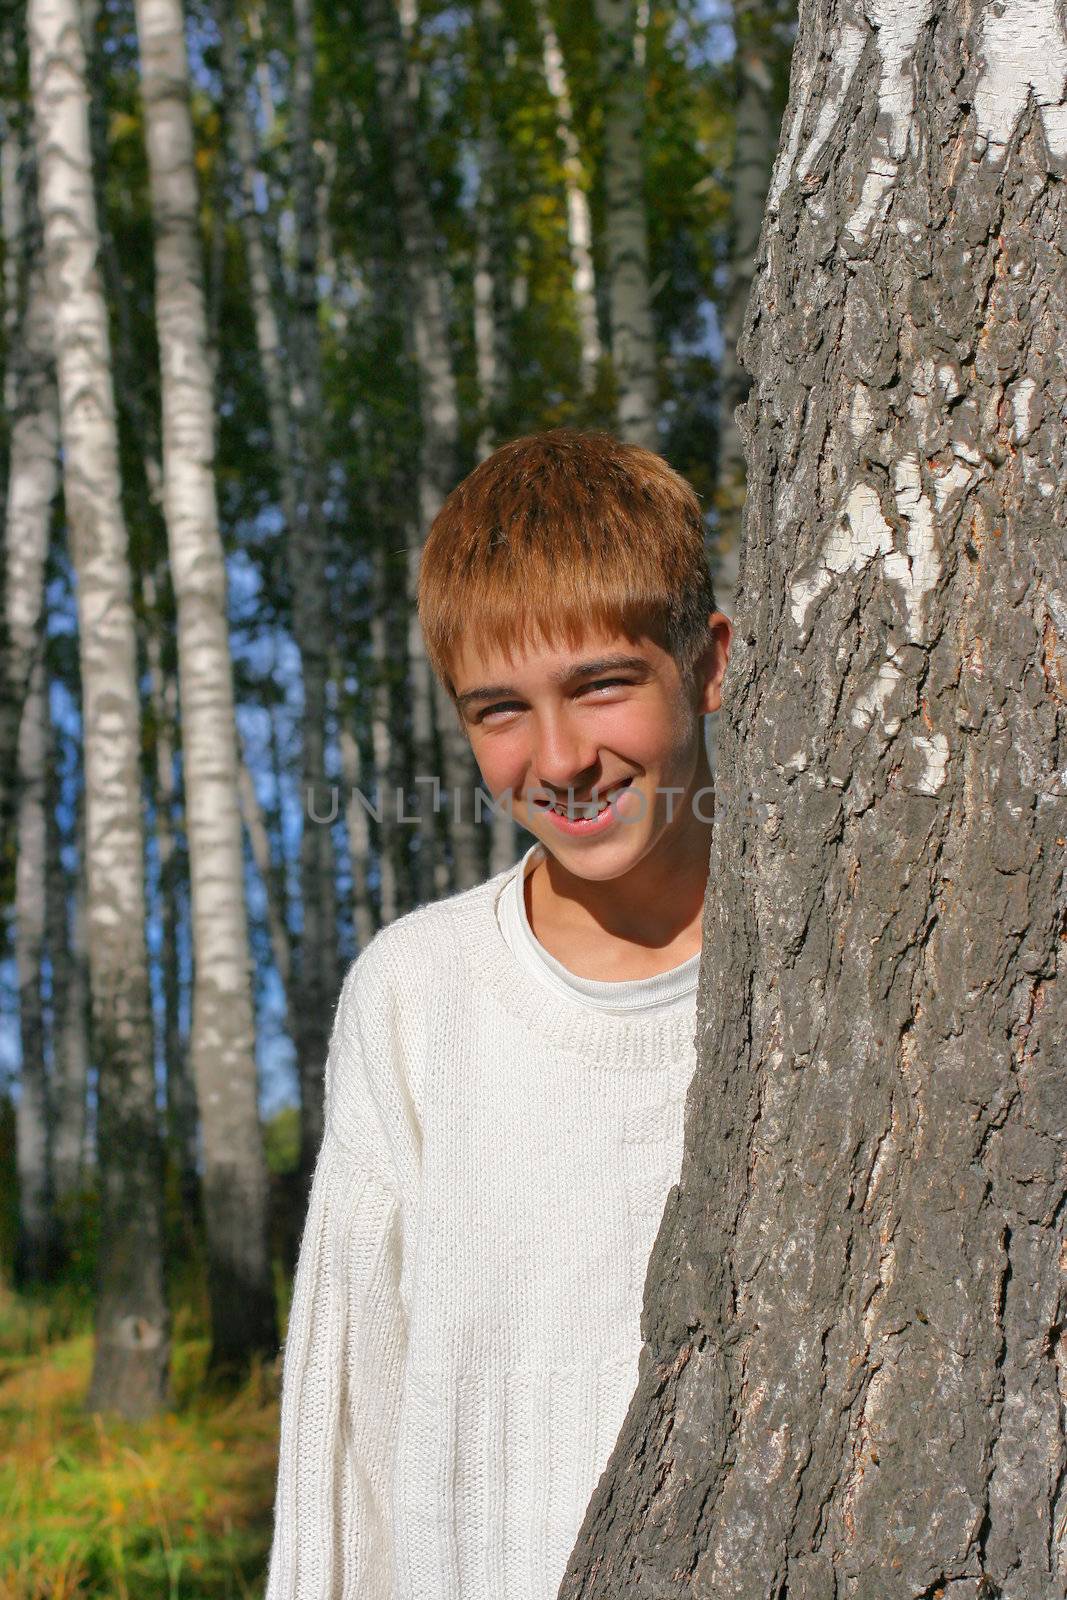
pixel 611 717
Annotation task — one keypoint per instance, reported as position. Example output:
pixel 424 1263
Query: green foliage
pixel 281 1139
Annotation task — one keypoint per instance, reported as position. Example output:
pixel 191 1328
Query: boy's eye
pixel 600 683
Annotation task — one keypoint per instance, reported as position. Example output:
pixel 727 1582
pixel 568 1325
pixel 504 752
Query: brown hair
pixel 560 531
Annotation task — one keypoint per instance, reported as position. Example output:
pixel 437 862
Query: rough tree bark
pixel 132 1319
pixel 854 1375
pixel 633 334
pixel 234 1185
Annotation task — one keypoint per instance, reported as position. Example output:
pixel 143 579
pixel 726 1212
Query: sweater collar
pixel 600 1039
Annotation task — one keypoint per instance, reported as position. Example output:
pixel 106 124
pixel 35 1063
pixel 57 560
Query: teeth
pixel 588 812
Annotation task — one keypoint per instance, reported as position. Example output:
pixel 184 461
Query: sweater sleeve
pixel 345 1345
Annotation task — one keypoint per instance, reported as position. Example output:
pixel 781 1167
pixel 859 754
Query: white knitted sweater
pixel 465 1327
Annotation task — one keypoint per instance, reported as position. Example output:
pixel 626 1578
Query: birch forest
pixel 276 274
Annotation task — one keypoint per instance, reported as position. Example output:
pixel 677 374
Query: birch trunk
pixel 318 976
pixel 182 1114
pixel 492 277
pixel 262 271
pixel 579 221
pixel 439 412
pixel 633 336
pixel 756 128
pixel 854 1373
pixel 387 768
pixel 132 1322
pixel 265 87
pixel 259 839
pixel 70 1035
pixel 36 1255
pixel 357 827
pixel 33 463
pixel 408 877
pixel 492 307
pixel 222 1042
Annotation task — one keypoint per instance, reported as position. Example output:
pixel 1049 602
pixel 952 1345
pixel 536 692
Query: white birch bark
pixel 33 466
pixel 633 339
pixel 579 221
pixel 37 1239
pixel 222 1041
pixel 132 1325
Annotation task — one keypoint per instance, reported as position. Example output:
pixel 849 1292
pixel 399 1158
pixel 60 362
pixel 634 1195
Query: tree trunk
pixel 402 718
pixel 33 459
pixel 579 223
pixel 755 140
pixel 262 270
pixel 36 1254
pixel 261 54
pixel 182 1115
pixel 259 838
pixel 318 976
pixel 492 305
pixel 633 336
pixel 492 279
pixel 439 413
pixel 133 1324
pixel 357 827
pixel 854 1374
pixel 70 1032
pixel 222 1042
pixel 383 713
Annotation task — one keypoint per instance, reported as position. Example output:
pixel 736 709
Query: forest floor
pixel 178 1508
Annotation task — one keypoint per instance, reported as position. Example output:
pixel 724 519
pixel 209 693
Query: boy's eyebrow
pixel 578 669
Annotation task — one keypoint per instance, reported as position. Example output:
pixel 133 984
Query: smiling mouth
pixel 587 809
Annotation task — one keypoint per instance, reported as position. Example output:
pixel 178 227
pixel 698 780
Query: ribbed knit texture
pixel 464 1334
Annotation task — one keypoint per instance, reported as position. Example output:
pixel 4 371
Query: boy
pixel 507 1073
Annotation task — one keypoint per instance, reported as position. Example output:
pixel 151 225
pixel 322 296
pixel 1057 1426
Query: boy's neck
pixel 643 923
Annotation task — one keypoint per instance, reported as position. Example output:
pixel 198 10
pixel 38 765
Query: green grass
pixel 178 1508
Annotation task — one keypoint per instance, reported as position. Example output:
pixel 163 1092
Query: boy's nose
pixel 563 757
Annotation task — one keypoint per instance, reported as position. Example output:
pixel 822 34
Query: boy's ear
pixel 711 667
